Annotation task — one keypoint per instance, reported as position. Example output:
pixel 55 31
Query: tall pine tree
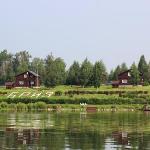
pixel 135 75
pixel 86 73
pixel 116 72
pixel 143 69
pixel 123 67
pixel 55 71
pixel 73 75
pixel 99 74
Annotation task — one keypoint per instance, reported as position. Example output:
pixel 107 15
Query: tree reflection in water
pixel 73 130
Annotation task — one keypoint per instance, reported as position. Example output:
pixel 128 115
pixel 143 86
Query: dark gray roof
pixel 129 70
pixel 35 74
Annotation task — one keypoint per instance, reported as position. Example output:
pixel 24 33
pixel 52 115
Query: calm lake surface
pixel 74 131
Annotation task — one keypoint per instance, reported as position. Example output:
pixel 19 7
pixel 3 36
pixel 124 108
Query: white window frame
pixel 21 82
pixel 25 75
pixel 124 81
pixel 32 82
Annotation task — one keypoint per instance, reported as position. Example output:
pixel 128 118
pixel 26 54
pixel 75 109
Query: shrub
pixel 3 93
pixel 40 105
pixel 30 106
pixel 3 105
pixel 12 106
pixel 21 106
pixel 58 93
pixel 146 83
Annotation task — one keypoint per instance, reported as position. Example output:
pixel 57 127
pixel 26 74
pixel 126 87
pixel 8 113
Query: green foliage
pixel 142 64
pixel 55 71
pixel 31 106
pixel 6 67
pixel 3 92
pixel 86 73
pixel 89 97
pixel 21 61
pixel 99 75
pixel 12 106
pixel 3 105
pixel 123 67
pixel 111 76
pixel 119 69
pixel 58 93
pixel 116 73
pixel 143 69
pixel 52 70
pixel 135 75
pixel 73 76
pixel 104 92
pixel 38 65
pixel 21 106
pixel 40 105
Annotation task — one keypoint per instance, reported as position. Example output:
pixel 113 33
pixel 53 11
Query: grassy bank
pixel 73 96
pixel 41 106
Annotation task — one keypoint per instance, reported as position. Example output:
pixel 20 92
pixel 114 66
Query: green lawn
pixel 63 89
pixel 102 101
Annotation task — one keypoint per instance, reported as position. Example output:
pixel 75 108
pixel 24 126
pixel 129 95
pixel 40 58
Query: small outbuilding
pixel 9 85
pixel 115 84
pixel 27 79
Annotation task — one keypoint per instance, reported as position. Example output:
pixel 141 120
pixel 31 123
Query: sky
pixel 115 31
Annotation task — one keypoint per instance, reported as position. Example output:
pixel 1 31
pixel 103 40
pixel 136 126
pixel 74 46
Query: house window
pixel 25 75
pixel 124 81
pixel 21 82
pixel 32 82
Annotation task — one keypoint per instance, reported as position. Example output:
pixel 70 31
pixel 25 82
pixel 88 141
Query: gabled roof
pixel 124 72
pixel 33 73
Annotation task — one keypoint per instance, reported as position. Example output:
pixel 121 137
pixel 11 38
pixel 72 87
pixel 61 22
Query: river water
pixel 74 130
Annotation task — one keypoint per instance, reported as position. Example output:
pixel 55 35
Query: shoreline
pixel 40 106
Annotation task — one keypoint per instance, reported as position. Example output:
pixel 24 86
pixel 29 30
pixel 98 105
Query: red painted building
pixel 27 79
pixel 124 79
pixel 9 85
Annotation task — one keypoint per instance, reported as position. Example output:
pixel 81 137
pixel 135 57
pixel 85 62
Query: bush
pixel 40 105
pixel 30 106
pixel 146 83
pixel 3 105
pixel 73 92
pixel 58 93
pixel 3 93
pixel 128 98
pixel 12 106
pixel 21 106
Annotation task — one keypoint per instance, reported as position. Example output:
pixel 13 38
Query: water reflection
pixel 67 130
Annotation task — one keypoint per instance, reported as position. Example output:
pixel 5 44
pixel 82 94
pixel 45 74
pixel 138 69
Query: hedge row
pixel 3 93
pixel 96 101
pixel 72 92
pixel 129 95
pixel 22 106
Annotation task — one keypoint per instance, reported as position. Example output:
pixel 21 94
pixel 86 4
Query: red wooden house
pixel 124 79
pixel 27 79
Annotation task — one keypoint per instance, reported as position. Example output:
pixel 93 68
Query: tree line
pixel 53 72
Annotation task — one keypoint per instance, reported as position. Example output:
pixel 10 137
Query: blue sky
pixel 112 30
